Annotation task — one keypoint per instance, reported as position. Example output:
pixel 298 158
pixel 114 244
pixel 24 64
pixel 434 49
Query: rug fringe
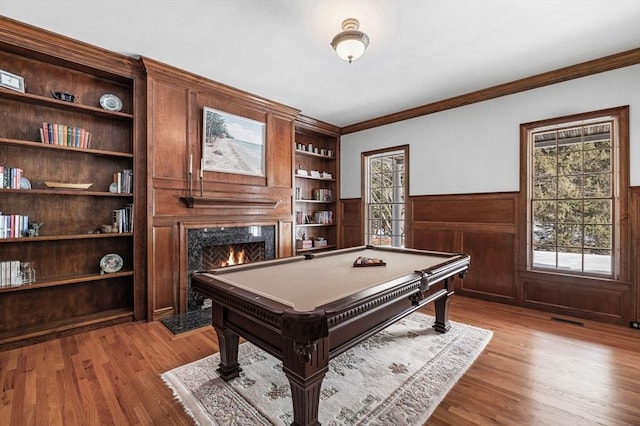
pixel 178 398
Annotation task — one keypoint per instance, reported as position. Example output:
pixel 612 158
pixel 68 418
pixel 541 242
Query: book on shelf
pixel 64 135
pixel 10 177
pixel 323 194
pixel 123 218
pixel 13 226
pixel 324 217
pixel 10 273
pixel 123 181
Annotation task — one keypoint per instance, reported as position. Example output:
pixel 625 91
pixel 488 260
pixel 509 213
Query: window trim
pixel 363 189
pixel 622 240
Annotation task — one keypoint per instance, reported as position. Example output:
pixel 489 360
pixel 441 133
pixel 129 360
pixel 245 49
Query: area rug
pixel 396 377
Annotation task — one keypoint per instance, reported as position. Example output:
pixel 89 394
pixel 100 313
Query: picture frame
pixel 11 81
pixel 232 144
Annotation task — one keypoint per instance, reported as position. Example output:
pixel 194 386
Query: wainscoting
pixel 486 226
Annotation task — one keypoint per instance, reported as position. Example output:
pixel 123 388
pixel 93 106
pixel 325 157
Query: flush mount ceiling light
pixel 350 44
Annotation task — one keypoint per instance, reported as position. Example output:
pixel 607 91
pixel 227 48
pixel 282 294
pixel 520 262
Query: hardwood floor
pixel 535 371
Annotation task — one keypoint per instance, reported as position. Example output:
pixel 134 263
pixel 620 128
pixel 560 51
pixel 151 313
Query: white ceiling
pixel 421 51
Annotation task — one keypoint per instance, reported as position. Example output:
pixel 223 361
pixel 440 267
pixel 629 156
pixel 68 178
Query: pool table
pixel 305 310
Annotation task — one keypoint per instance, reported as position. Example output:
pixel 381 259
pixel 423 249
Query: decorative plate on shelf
pixel 110 102
pixel 65 185
pixel 24 183
pixel 111 263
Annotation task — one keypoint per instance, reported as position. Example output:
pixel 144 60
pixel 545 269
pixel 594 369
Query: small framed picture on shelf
pixel 11 81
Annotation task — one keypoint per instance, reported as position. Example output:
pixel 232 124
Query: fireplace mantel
pixel 209 202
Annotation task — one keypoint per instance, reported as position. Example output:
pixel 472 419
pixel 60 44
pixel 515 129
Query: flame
pixel 234 258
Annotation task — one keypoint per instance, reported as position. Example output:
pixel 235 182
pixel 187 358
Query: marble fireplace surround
pixel 195 237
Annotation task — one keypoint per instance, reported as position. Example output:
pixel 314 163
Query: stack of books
pixel 13 225
pixel 123 218
pixel 323 194
pixel 10 275
pixel 61 134
pixel 10 177
pixel 123 181
pixel 324 217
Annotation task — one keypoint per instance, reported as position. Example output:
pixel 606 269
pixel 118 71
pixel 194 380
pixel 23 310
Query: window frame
pixel 365 187
pixel 621 249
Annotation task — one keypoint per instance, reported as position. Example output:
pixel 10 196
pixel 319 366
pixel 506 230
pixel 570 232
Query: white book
pixel 3 274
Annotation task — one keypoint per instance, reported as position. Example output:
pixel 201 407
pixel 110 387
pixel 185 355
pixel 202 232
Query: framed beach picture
pixel 232 144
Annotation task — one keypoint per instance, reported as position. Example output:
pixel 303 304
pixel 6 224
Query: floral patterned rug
pixel 396 377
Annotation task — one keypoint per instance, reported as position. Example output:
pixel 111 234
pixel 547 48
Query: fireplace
pixel 213 247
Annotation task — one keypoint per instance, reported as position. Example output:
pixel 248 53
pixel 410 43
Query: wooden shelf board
pixel 39 330
pixel 327 247
pixel 74 279
pixel 40 145
pixel 65 237
pixel 315 224
pixel 315 201
pixel 314 155
pixel 52 191
pixel 315 178
pixel 69 106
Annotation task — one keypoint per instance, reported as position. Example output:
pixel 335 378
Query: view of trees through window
pixel 572 198
pixel 385 184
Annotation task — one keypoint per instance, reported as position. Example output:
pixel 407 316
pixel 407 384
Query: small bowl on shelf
pixel 63 96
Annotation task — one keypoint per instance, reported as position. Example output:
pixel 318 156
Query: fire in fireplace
pixel 233 254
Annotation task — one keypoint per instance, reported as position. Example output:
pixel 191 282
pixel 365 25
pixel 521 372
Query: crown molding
pixel 607 63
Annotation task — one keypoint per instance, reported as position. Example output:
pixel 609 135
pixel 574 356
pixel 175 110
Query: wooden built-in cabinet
pixel 70 291
pixel 316 186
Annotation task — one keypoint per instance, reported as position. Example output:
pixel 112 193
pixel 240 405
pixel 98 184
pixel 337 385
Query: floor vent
pixel 581 324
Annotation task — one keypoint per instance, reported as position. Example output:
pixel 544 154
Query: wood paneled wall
pixel 485 226
pixel 175 101
pixel 482 226
pixel 351 227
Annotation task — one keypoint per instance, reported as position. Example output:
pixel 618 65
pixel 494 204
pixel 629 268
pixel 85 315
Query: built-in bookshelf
pixel 316 187
pixel 76 188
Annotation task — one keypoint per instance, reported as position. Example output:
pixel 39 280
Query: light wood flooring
pixel 535 371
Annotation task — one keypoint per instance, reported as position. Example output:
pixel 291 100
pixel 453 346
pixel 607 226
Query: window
pixel 385 189
pixel 574 187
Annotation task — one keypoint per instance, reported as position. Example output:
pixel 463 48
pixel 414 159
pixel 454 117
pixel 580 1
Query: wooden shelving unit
pixel 316 190
pixel 70 292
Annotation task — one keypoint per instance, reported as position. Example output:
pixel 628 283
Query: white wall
pixel 475 148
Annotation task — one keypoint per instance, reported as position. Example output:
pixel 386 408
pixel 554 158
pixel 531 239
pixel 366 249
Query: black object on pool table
pixel 368 261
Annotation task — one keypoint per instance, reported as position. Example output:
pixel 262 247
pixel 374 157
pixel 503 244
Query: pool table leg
pixel 229 367
pixel 228 341
pixel 442 313
pixel 305 378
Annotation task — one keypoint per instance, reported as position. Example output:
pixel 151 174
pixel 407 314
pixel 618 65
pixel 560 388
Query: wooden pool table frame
pixel 306 341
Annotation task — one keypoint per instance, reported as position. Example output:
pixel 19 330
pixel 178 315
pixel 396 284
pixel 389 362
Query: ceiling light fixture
pixel 350 44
